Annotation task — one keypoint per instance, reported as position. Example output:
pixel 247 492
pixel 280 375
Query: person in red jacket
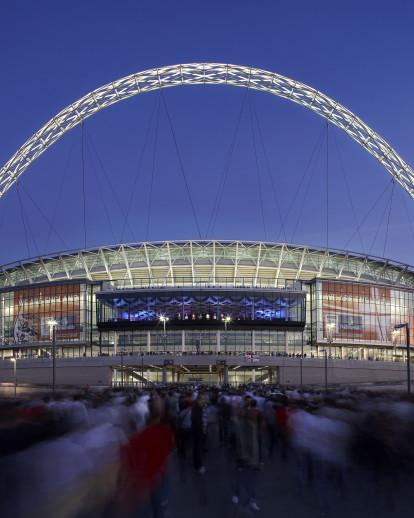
pixel 147 464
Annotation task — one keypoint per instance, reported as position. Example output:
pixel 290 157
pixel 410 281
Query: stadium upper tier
pixel 209 263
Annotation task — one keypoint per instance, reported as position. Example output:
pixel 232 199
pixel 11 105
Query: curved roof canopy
pixel 204 263
pixel 206 73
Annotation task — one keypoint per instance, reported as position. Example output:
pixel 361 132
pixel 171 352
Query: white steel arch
pixel 207 73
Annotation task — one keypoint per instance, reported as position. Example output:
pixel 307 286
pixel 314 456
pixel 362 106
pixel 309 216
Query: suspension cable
pixel 57 205
pixel 83 185
pixel 220 190
pixel 257 165
pixel 157 101
pixel 368 213
pixel 327 184
pixel 98 183
pixel 408 218
pixel 389 216
pixel 306 192
pixel 302 179
pixel 107 179
pixel 5 206
pixel 379 224
pixel 268 168
pixel 181 163
pixel 24 216
pixel 348 190
pixel 50 224
pixel 23 220
pixel 153 167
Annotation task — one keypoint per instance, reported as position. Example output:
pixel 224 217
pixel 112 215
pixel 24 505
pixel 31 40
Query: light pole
pixel 394 335
pixel 52 325
pixel 122 367
pixel 14 375
pixel 330 326
pixel 227 319
pixel 326 368
pixel 164 320
pixel 407 331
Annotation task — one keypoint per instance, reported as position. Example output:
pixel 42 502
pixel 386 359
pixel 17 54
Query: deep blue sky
pixel 358 53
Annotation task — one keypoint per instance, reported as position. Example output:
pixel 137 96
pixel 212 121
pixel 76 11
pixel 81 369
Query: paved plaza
pixel 209 496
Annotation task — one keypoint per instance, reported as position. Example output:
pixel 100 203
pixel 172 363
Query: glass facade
pixel 289 320
pixel 203 341
pixel 362 317
pixel 207 305
pixel 26 315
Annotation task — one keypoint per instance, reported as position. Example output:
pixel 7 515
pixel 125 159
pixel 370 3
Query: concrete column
pixel 19 354
pixel 183 340
pixel 148 375
pixel 253 340
pixel 286 342
pixel 114 376
pixel 270 375
pixel 218 340
pixel 226 374
pixel 178 376
pixel 365 353
pixel 115 342
pixel 164 374
pixel 60 351
pixel 148 341
pixel 253 375
pixel 173 375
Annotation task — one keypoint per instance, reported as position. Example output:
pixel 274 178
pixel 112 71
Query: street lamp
pixel 52 326
pixel 227 319
pixel 14 375
pixel 330 326
pixel 164 320
pixel 394 335
pixel 407 331
pixel 326 368
pixel 122 366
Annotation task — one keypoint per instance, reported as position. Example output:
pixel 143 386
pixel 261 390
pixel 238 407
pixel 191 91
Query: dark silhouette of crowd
pixel 119 453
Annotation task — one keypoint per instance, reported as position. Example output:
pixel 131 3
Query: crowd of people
pixel 110 453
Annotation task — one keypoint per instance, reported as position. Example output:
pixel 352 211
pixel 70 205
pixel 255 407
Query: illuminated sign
pixel 34 308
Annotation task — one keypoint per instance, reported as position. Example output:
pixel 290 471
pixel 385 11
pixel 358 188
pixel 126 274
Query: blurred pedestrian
pixel 199 425
pixel 147 465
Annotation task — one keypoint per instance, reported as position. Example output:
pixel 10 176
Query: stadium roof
pixel 196 262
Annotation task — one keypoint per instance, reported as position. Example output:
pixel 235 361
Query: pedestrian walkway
pixel 209 495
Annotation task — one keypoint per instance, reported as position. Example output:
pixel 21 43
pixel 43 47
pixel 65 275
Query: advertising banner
pixel 34 308
pixel 357 312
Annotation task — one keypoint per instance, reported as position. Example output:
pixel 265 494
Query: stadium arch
pixel 206 73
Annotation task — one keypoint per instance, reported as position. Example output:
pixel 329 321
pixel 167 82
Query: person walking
pixel 244 450
pixel 199 432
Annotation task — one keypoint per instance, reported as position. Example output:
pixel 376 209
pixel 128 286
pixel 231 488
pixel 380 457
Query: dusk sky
pixel 135 154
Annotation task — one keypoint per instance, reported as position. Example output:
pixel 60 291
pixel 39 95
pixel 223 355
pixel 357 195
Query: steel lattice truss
pixel 205 264
pixel 207 73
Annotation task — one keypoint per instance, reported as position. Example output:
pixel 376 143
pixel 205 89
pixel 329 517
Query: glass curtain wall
pixel 362 317
pixel 26 315
pixel 205 305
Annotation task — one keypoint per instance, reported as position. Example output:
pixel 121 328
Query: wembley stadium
pixel 205 310
pixel 217 310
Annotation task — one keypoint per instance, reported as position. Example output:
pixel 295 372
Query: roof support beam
pixel 127 265
pixel 257 265
pixel 108 271
pixel 88 275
